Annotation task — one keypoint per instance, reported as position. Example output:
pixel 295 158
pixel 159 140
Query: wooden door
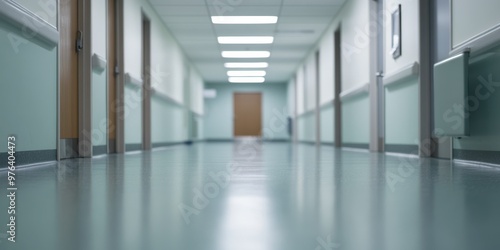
pixel 69 70
pixel 247 114
pixel 68 77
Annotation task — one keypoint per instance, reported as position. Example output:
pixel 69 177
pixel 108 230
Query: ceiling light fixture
pixel 260 73
pixel 254 65
pixel 244 19
pixel 246 54
pixel 245 39
pixel 247 79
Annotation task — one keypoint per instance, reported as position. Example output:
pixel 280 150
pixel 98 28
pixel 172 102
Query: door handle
pixel 79 41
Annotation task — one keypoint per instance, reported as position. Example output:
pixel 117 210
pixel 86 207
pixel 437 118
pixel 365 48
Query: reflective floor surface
pixel 251 196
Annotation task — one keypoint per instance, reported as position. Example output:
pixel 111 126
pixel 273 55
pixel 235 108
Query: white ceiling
pixel 301 24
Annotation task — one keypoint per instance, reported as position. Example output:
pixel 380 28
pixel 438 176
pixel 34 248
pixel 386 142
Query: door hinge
pixel 379 74
pixel 79 41
pixel 117 70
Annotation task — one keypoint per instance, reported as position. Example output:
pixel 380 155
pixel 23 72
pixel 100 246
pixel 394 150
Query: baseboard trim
pixel 307 142
pixel 100 150
pixel 328 144
pixel 402 149
pixel 219 140
pixel 356 145
pixel 133 147
pixel 29 157
pixel 276 140
pixel 480 156
pixel 169 144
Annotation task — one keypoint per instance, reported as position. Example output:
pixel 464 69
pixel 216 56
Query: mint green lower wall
pixel 168 124
pixel 356 120
pixel 218 119
pixel 484 120
pixel 99 109
pixel 401 113
pixel 327 125
pixel 301 128
pixel 28 92
pixel 307 127
pixel 133 115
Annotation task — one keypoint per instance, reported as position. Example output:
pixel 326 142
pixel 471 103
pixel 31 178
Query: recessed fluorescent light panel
pixel 245 39
pixel 246 54
pixel 244 19
pixel 255 65
pixel 247 79
pixel 260 73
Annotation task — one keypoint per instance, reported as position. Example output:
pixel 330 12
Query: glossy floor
pixel 250 196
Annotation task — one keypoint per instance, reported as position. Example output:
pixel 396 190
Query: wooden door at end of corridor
pixel 247 114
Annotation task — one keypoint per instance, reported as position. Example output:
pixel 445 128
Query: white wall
pixel 310 84
pixel 171 74
pixel 471 18
pixel 353 20
pixel 197 88
pixel 300 88
pixel 409 38
pixel 99 79
pixel 326 69
pixel 291 97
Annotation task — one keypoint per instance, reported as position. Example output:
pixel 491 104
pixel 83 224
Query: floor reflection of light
pixel 247 224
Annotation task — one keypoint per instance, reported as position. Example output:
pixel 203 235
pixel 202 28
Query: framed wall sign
pixel 396 32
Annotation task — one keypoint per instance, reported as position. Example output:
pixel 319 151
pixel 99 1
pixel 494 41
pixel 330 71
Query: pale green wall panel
pixel 310 127
pixel 99 109
pixel 401 113
pixel 28 92
pixel 133 115
pixel 167 122
pixel 307 127
pixel 327 125
pixel 356 120
pixel 301 122
pixel 484 96
pixel 218 121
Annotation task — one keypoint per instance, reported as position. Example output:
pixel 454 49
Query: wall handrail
pixel 98 63
pixel 306 113
pixel 32 26
pixel 133 81
pixel 404 73
pixel 165 97
pixel 354 92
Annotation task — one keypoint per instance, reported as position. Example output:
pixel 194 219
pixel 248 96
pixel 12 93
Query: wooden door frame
pixel 85 146
pixel 146 75
pixel 337 39
pixel 120 78
pixel 317 104
pixel 377 101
